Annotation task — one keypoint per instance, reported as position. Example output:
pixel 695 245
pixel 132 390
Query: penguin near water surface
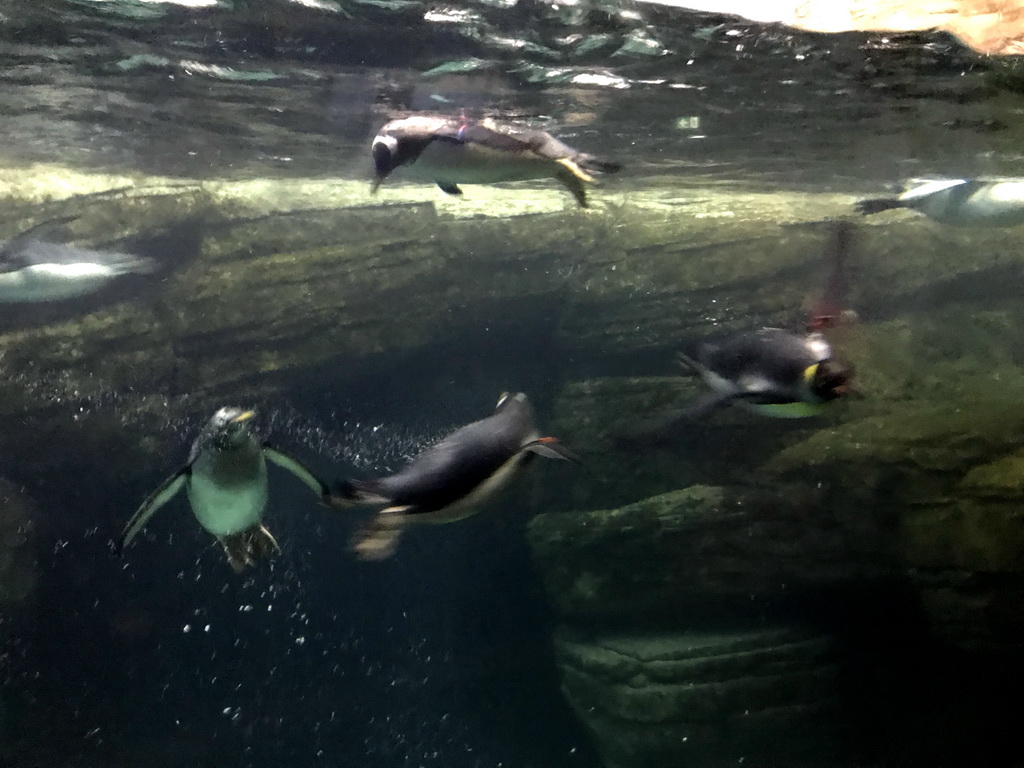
pixel 225 479
pixel 452 151
pixel 449 480
pixel 34 271
pixel 958 202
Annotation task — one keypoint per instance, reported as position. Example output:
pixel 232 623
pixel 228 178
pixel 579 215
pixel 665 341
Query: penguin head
pixel 229 427
pixel 829 379
pixel 387 154
pixel 517 404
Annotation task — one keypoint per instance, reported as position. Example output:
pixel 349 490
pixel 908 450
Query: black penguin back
pixel 461 463
pixel 774 355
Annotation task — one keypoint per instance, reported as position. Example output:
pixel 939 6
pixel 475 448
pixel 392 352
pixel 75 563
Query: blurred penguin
pixel 958 202
pixel 452 151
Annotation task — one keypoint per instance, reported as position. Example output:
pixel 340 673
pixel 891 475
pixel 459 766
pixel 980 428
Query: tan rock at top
pixel 993 27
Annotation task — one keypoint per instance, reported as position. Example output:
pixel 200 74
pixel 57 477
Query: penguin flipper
pixel 877 205
pixel 551 448
pixel 163 493
pixel 449 189
pixel 379 539
pixel 662 429
pixel 711 402
pixel 298 469
pixel 12 252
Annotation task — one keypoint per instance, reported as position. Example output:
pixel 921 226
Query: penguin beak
pixel 245 416
pixel 376 184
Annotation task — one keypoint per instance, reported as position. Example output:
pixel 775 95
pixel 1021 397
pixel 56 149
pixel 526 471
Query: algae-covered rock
pixel 705 699
pixel 945 437
pixel 690 547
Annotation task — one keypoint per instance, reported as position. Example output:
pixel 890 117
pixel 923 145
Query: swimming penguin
pixel 225 479
pixel 782 373
pixel 450 479
pixel 453 151
pixel 958 202
pixel 35 271
pixel 771 371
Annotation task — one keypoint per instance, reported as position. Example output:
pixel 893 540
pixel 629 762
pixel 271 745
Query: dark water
pixel 443 655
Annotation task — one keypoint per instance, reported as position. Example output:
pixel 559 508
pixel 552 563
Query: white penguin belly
pixel 999 203
pixel 49 282
pixel 226 509
pixel 470 504
pixel 453 163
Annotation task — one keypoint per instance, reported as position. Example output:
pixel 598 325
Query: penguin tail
pixel 350 493
pixel 247 548
pixel 876 205
pixel 593 164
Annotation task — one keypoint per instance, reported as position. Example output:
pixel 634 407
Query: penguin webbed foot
pixel 245 549
pixel 378 539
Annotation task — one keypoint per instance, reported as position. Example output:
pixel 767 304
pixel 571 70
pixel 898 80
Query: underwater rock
pixel 682 551
pixel 766 696
pixel 948 473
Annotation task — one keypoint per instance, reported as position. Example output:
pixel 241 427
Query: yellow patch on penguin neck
pixel 810 372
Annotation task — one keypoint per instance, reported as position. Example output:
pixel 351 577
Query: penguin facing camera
pixel 449 480
pixel 958 202
pixel 452 151
pixel 35 271
pixel 225 480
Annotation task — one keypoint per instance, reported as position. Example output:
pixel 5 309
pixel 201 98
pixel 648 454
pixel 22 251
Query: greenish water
pixel 843 590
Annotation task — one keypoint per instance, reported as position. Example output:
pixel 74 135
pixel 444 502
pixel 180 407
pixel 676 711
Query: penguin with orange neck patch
pixel 451 479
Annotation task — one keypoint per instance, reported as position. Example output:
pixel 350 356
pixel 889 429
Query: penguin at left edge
pixel 451 479
pixel 33 270
pixel 225 480
pixel 451 151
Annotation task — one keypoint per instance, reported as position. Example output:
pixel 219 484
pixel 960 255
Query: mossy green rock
pixel 705 699
pixel 681 549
